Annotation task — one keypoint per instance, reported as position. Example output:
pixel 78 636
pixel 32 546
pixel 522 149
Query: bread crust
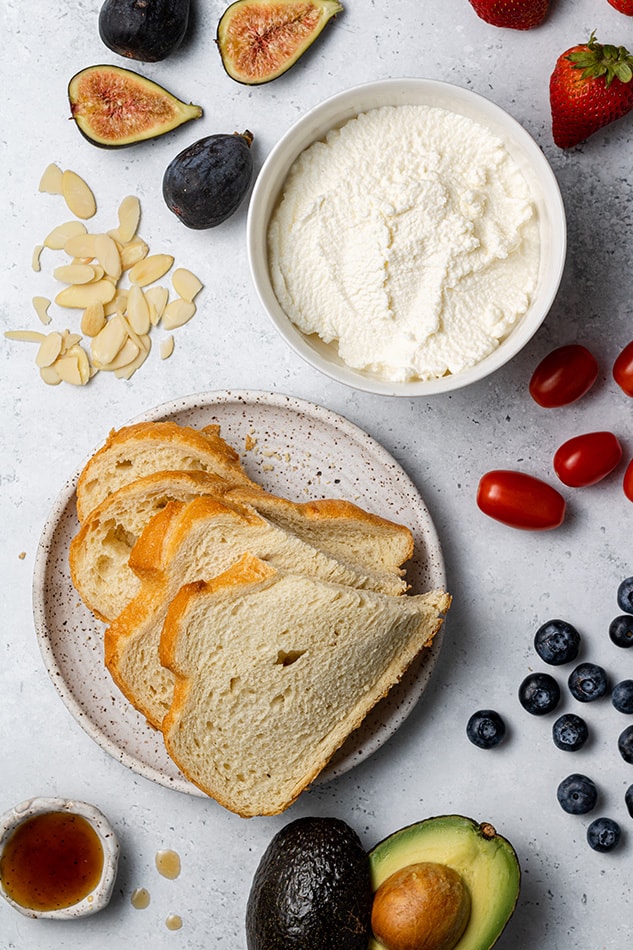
pixel 139 449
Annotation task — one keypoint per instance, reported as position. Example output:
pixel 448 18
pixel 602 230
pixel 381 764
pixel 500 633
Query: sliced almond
pixel 36 263
pixel 157 297
pixel 177 313
pixel 126 372
pixel 68 369
pixel 77 195
pixel 107 343
pixel 126 355
pixel 50 348
pixel 117 305
pixel 25 336
pixel 83 363
pixel 99 272
pixel 150 269
pixel 93 319
pixel 81 296
pixel 107 253
pixel 82 246
pixel 58 237
pixel 41 305
pixel 137 310
pixel 138 338
pixel 50 375
pixel 166 347
pixel 185 283
pixel 51 180
pixel 129 217
pixel 74 273
pixel 133 252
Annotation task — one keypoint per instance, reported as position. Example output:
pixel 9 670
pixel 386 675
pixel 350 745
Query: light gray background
pixel 504 583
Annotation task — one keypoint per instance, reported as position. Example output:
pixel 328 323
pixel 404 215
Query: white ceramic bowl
pixel 333 113
pixel 100 895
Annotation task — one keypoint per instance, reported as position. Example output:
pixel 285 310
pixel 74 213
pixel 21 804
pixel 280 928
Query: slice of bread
pixel 197 541
pixel 274 670
pixel 100 550
pixel 340 528
pixel 146 447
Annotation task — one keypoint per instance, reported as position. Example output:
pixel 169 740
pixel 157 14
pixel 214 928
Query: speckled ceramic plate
pixel 296 449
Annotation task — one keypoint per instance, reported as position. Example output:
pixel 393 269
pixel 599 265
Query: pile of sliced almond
pixel 113 280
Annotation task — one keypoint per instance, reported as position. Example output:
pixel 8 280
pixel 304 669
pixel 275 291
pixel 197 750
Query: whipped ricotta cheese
pixel 409 239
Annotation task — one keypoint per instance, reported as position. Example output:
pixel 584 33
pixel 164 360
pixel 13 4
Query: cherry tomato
pixel 627 483
pixel 623 369
pixel 586 459
pixel 563 376
pixel 520 501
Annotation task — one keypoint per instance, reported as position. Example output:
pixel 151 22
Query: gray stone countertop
pixel 505 583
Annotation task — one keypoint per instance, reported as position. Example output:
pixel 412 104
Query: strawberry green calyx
pixel 597 59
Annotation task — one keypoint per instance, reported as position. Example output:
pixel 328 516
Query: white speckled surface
pixel 504 583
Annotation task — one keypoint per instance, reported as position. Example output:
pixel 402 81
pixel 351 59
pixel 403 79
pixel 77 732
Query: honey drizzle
pixel 168 864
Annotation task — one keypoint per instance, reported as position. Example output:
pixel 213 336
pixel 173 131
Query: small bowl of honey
pixel 58 858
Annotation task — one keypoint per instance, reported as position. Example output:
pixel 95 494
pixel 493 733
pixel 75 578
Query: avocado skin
pixel 312 890
pixel 146 30
pixel 206 182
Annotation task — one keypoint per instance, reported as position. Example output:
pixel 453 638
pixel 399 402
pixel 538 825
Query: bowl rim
pixel 100 895
pixel 301 133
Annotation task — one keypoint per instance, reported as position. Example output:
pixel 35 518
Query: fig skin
pixel 206 182
pixel 422 906
pixel 259 40
pixel 115 107
pixel 146 30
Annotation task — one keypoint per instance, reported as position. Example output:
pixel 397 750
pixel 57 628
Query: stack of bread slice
pixel 255 632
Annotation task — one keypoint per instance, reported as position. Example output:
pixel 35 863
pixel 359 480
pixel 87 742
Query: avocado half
pixel 486 861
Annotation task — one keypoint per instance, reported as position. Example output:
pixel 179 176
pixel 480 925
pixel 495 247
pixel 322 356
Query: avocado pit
pixel 424 906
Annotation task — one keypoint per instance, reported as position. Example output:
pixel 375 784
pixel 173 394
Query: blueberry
pixel 539 693
pixel 625 744
pixel 485 728
pixel 622 696
pixel 587 682
pixel 621 630
pixel 625 595
pixel 557 642
pixel 628 800
pixel 577 794
pixel 603 834
pixel 569 732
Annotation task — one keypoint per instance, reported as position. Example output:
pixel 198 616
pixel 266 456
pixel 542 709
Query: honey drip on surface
pixel 173 922
pixel 168 864
pixel 51 861
pixel 140 898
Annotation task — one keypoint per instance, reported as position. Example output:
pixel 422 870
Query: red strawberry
pixel 623 6
pixel 591 86
pixel 513 14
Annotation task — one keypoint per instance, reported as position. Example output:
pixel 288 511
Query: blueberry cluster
pixel 557 642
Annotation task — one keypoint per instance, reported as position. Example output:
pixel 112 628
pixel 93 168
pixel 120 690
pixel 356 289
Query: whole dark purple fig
pixel 206 182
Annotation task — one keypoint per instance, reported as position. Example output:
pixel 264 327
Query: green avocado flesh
pixel 485 860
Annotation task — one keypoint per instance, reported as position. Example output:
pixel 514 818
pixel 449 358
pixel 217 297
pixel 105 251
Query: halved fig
pixel 114 107
pixel 261 39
